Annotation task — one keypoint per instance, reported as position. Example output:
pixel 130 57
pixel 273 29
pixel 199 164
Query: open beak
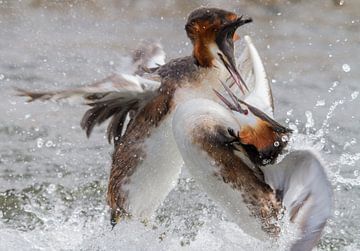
pixel 225 42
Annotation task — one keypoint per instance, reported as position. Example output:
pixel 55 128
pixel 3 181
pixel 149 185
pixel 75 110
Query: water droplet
pixel 49 143
pixel 289 113
pixel 111 62
pixel 346 68
pixel 2 76
pixel 27 207
pixel 320 102
pixel 51 188
pixel 39 142
pixel 276 143
pixel 328 230
pixel 356 173
pixel 334 84
pixel 354 95
pixel 309 119
pixel 285 138
pixel 340 2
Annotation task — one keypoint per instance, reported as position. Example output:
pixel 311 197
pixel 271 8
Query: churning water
pixel 53 180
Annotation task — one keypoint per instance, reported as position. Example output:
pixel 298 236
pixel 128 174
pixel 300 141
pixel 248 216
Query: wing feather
pixel 114 96
pixel 253 72
pixel 306 193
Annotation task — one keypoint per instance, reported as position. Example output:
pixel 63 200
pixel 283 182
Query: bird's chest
pixel 156 174
pixel 203 87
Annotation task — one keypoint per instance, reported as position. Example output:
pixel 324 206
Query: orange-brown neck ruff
pixel 261 136
pixel 262 143
pixel 202 54
pixel 203 35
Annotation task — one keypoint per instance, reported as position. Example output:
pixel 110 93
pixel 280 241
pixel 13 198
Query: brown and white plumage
pixel 256 201
pixel 234 154
pixel 225 135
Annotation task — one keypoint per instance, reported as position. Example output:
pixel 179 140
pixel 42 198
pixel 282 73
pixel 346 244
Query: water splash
pixel 317 139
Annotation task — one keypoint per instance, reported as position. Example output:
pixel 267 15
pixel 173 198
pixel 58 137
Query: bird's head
pixel 212 33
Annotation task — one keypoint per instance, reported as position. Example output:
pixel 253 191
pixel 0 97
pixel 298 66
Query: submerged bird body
pixel 198 110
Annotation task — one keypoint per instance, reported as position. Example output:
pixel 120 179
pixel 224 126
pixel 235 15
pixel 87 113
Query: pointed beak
pixel 235 102
pixel 225 42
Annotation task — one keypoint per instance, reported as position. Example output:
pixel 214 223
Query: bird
pixel 200 111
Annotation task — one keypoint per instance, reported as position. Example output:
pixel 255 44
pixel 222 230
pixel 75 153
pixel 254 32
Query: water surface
pixel 53 180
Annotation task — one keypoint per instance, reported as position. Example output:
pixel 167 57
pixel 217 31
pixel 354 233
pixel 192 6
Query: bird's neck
pixel 202 53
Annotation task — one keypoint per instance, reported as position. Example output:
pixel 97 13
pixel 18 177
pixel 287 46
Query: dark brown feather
pixel 102 110
pixel 116 126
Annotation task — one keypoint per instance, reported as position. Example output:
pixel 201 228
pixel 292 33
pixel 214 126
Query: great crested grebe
pixel 187 111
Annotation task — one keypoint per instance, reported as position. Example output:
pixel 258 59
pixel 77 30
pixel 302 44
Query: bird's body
pixel 186 111
pixel 148 149
pixel 231 180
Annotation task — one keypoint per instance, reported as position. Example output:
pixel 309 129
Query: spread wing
pixel 116 96
pixel 116 84
pixel 302 184
pixel 145 60
pixel 253 73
